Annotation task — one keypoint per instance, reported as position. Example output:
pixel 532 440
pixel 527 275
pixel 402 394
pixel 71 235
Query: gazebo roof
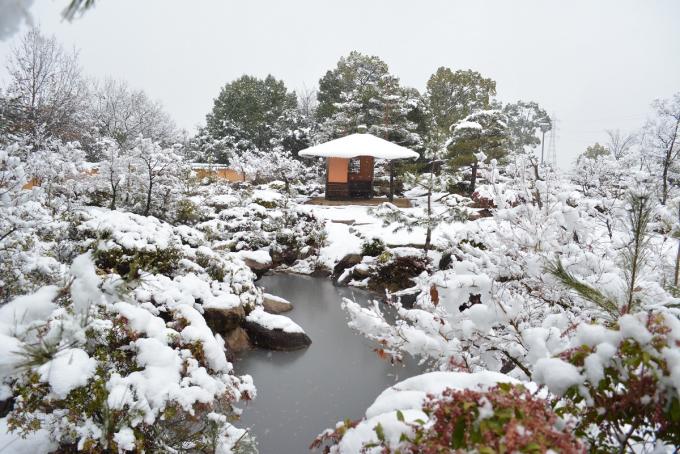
pixel 356 145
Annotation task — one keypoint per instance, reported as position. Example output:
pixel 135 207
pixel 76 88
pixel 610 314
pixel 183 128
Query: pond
pixel 301 393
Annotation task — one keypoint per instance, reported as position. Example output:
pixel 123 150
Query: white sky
pixel 595 64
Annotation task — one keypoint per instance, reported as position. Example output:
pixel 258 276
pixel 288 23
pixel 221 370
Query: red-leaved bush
pixel 505 418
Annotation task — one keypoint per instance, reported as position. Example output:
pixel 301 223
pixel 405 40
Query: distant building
pixel 217 171
pixel 350 161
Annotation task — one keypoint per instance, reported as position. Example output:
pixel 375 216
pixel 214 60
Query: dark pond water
pixel 299 394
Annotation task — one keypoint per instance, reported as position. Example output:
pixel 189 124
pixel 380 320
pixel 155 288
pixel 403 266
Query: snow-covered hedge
pixel 101 370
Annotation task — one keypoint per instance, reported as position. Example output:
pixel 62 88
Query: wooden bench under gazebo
pixel 349 164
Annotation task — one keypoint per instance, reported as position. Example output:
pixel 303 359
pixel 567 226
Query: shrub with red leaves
pixel 634 405
pixel 506 418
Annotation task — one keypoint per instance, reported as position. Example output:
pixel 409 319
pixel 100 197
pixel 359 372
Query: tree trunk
pixel 676 276
pixel 664 189
pixel 113 198
pixel 391 197
pixel 428 234
pixel 473 178
pixel 148 199
pixel 677 267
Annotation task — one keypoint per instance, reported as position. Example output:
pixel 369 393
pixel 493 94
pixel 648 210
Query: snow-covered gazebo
pixel 349 163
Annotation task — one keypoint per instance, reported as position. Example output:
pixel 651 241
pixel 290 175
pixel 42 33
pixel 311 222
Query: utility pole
pixel 542 146
pixel 552 146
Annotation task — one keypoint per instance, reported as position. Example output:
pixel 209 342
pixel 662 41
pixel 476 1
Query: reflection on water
pixel 301 393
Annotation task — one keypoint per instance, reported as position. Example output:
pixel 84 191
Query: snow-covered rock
pixel 275 332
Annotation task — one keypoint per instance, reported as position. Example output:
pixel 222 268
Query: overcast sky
pixel 596 64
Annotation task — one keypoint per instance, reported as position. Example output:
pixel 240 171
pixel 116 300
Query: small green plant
pixel 373 248
pixel 187 212
pixel 385 257
pixel 266 203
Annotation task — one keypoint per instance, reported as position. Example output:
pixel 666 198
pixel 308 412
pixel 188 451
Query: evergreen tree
pixel 525 120
pixel 251 112
pixel 594 152
pixel 360 91
pixel 453 96
pixel 478 137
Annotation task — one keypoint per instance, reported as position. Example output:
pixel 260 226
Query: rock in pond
pixel 222 320
pixel 275 304
pixel 259 260
pixel 238 340
pixel 275 332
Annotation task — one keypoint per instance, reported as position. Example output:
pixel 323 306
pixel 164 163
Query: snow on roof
pixel 360 145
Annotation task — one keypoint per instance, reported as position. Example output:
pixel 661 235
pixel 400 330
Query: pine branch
pixel 585 291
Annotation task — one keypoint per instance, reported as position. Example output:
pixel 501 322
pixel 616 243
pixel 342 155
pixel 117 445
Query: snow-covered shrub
pixel 288 233
pixel 373 248
pixel 495 307
pixel 507 418
pixel 504 418
pixel 127 243
pixel 397 272
pixel 622 384
pixel 31 233
pixel 298 235
pixel 148 179
pixel 60 170
pixel 103 372
pixel 186 213
pixel 229 273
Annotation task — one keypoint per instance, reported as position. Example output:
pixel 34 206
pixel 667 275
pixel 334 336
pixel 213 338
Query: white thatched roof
pixel 359 145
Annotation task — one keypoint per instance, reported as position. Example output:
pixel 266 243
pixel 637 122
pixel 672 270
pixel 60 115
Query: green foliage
pixel 77 7
pixel 524 120
pixel 87 405
pixel 585 291
pixel 360 90
pixel 187 212
pixel 373 248
pixel 251 112
pixel 490 138
pixel 266 203
pixel 594 151
pixel 127 262
pixel 452 96
pixel 354 72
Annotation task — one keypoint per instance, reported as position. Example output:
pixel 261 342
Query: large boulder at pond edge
pixel 275 332
pixel 223 321
pixel 346 262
